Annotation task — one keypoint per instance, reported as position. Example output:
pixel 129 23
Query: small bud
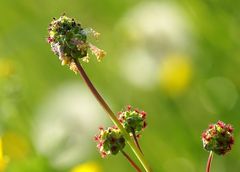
pixel 110 141
pixel 218 138
pixel 129 107
pixel 133 120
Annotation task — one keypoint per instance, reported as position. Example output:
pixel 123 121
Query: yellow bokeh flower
pixel 3 161
pixel 87 167
pixel 175 74
pixel 15 145
pixel 6 68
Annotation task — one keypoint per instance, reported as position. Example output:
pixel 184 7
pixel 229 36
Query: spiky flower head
pixel 110 141
pixel 218 138
pixel 68 41
pixel 133 120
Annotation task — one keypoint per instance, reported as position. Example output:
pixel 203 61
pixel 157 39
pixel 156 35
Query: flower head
pixel 133 120
pixel 218 138
pixel 68 41
pixel 110 141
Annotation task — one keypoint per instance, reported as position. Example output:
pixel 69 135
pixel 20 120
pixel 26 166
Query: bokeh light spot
pixel 87 167
pixel 218 94
pixel 175 74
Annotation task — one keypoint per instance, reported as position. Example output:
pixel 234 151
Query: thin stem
pixel 136 140
pixel 209 162
pixel 131 161
pixel 112 116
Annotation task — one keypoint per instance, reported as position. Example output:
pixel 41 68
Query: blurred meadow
pixel 177 60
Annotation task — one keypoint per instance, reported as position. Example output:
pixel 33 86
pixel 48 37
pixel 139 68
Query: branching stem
pixel 112 116
pixel 136 140
pixel 131 161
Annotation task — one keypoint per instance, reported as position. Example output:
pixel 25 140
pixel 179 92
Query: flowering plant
pixel 68 41
pixel 218 139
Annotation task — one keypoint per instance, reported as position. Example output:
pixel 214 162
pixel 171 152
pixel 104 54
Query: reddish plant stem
pixel 209 162
pixel 136 140
pixel 92 88
pixel 112 116
pixel 131 161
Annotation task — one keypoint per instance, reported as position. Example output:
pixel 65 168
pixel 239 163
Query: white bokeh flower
pixel 157 30
pixel 162 25
pixel 65 124
pixel 139 68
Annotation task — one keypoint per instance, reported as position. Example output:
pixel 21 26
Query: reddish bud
pixel 221 124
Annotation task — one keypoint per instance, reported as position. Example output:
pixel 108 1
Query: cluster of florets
pixel 218 138
pixel 68 41
pixel 133 120
pixel 110 141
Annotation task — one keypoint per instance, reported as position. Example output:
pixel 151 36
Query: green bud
pixel 134 121
pixel 110 141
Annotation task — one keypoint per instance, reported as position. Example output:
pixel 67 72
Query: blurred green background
pixel 177 60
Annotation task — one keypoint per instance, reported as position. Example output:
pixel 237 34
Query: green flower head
pixel 133 120
pixel 218 138
pixel 110 141
pixel 68 41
